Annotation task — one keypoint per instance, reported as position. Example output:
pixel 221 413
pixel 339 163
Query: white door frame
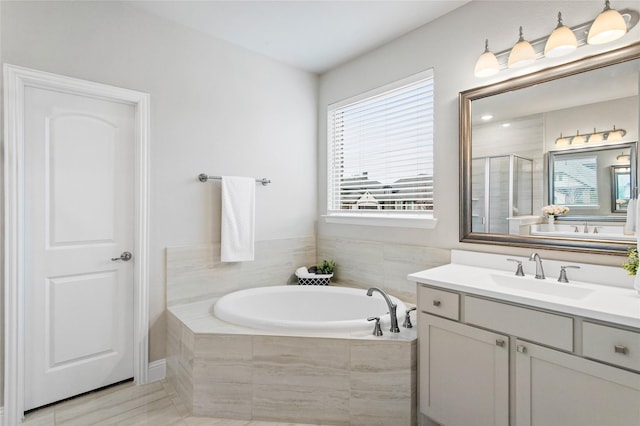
pixel 16 79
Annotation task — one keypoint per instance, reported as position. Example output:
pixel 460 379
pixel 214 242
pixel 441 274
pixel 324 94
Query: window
pixel 576 181
pixel 380 151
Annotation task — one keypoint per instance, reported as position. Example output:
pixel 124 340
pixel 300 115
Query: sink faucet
pixel 535 257
pixel 392 308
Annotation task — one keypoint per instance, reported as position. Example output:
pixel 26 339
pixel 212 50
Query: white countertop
pixel 613 304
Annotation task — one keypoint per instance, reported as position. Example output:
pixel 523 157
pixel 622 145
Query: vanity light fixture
pixel 522 53
pixel 608 26
pixel 486 117
pixel 623 158
pixel 487 64
pixel 612 135
pixel 562 41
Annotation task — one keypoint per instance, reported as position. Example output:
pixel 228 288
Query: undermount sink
pixel 547 286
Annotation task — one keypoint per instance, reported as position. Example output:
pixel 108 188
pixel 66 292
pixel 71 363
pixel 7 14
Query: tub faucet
pixel 392 308
pixel 535 257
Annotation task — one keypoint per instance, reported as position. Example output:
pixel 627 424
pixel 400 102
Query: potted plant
pixel 631 265
pixel 319 274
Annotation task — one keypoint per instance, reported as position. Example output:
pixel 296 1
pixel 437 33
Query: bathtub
pixel 306 308
pixel 312 376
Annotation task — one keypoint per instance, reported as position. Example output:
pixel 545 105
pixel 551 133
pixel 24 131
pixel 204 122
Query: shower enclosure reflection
pixel 502 188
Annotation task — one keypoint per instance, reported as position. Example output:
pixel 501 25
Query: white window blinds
pixel 380 150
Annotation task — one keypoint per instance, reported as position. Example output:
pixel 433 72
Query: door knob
pixel 125 256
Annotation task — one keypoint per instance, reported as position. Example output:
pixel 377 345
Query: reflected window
pixel 576 181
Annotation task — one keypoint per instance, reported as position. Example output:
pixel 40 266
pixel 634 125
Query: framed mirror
pixel 552 138
pixel 593 182
pixel 620 188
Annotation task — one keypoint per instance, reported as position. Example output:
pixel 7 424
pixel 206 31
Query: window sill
pixel 368 220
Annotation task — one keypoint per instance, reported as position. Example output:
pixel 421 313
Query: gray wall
pixel 215 108
pixel 451 45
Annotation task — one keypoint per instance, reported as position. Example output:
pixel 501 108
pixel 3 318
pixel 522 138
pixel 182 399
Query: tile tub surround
pixel 223 370
pixel 367 264
pixel 196 272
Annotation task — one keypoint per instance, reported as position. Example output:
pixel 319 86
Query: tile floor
pixel 153 404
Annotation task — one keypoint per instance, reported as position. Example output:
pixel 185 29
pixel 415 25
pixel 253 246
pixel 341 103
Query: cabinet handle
pixel 500 342
pixel 436 303
pixel 522 349
pixel 620 349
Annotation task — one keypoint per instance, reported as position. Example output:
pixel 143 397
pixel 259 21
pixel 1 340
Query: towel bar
pixel 203 177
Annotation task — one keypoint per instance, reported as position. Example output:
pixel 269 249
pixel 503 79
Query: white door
pixel 79 214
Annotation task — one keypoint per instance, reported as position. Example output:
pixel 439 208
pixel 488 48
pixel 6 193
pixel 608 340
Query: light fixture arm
pixel 560 24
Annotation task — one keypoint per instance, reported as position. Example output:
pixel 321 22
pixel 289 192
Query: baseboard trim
pixel 157 370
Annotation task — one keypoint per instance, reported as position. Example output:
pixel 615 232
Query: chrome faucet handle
pixel 595 229
pixel 377 331
pixel 563 273
pixel 575 228
pixel 407 318
pixel 519 271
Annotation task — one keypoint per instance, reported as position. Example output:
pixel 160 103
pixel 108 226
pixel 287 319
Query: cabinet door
pixel 555 388
pixel 464 373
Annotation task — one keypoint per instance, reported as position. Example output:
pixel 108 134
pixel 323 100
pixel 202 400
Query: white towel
pixel 238 219
pixel 631 223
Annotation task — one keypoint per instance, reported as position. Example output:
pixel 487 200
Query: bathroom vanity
pixel 501 349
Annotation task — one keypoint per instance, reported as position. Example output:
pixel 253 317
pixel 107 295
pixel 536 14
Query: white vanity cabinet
pixel 556 388
pixel 484 361
pixel 464 373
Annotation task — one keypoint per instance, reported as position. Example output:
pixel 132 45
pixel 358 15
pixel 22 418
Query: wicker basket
pixel 318 279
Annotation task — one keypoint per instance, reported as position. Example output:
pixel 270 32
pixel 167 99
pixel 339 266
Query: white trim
pixel 15 80
pixel 157 370
pixel 428 73
pixel 382 220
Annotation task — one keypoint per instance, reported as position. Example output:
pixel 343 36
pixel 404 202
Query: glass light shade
pixel 521 54
pixel 614 136
pixel 487 64
pixel 608 26
pixel 562 140
pixel 623 158
pixel 595 137
pixel 562 41
pixel 578 138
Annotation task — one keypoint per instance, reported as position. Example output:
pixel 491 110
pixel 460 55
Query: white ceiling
pixel 311 35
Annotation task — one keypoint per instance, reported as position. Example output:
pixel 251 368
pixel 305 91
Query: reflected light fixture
pixel 596 137
pixel 615 135
pixel 521 54
pixel 608 26
pixel 562 41
pixel 623 158
pixel 578 138
pixel 562 140
pixel 487 63
pixel 486 117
